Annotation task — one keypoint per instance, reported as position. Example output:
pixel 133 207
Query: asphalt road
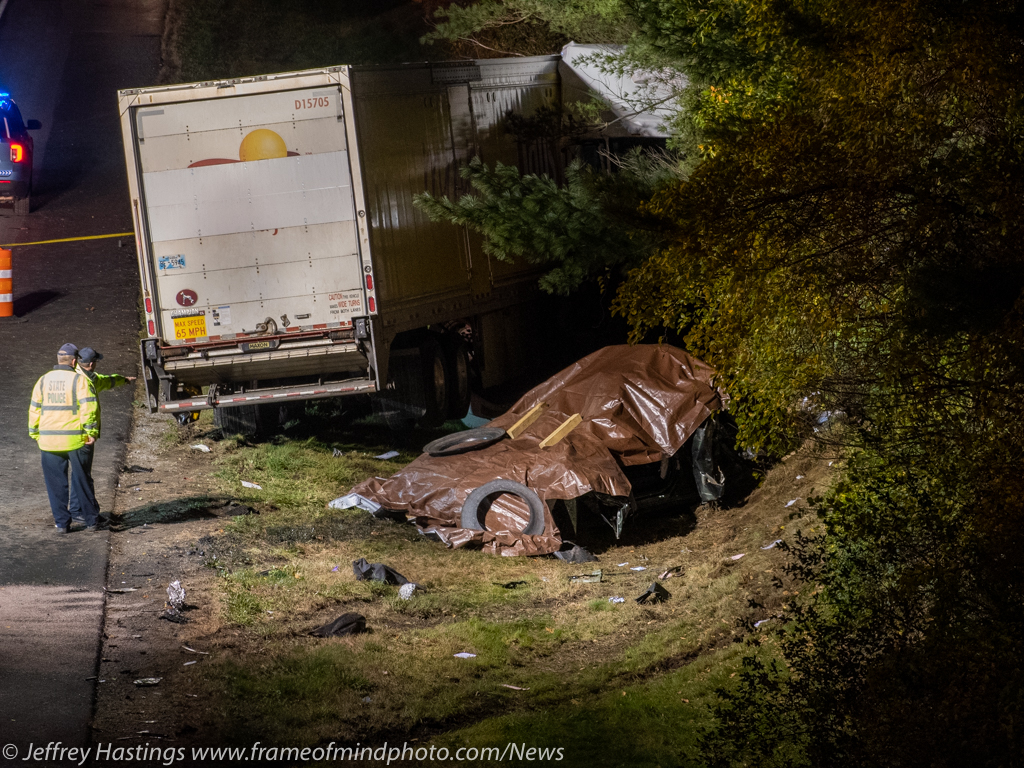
pixel 63 61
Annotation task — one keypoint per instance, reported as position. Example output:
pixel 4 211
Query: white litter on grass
pixel 354 500
pixel 465 655
pixel 799 477
pixel 405 591
pixel 189 662
pixel 791 502
pixel 148 681
pixel 200 447
pixel 759 623
pixel 176 594
pixel 338 452
pixel 193 650
pixel 622 564
pixel 737 557
pixel 247 484
pixel 388 455
pixel 513 687
pixel 638 568
pixel 366 699
pixel 616 599
pixel 770 546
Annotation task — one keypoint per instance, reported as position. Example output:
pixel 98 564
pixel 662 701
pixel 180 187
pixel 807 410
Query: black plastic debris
pixel 509 584
pixel 175 616
pixel 654 594
pixel 346 624
pixel 137 468
pixel 233 509
pixel 576 554
pixel 365 571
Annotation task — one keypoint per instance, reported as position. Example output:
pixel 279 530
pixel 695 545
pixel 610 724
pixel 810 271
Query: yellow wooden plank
pixel 528 418
pixel 564 429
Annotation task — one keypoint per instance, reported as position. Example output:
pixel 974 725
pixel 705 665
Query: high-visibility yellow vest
pixel 63 411
pixel 100 382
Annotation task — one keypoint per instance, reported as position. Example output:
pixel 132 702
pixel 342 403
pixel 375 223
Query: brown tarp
pixel 638 404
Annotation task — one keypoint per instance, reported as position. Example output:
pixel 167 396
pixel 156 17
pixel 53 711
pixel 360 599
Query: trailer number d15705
pixel 190 327
pixel 316 101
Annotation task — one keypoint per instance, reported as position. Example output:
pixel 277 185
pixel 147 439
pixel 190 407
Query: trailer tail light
pixel 17 153
pixel 152 328
pixel 369 282
pixel 149 306
pixel 373 305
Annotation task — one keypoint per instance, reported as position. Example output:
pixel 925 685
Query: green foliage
pixel 585 21
pixel 583 229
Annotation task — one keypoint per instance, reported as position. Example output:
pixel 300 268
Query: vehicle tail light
pixel 369 282
pixel 17 153
pixel 149 306
pixel 152 328
pixel 373 305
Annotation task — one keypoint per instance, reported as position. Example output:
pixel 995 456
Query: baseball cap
pixel 68 349
pixel 88 355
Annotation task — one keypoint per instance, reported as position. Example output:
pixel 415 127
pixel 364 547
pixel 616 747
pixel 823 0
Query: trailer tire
pixel 435 384
pixel 463 442
pixel 457 363
pixel 22 205
pixel 244 420
pixel 471 509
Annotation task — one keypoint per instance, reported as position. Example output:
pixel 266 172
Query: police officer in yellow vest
pixel 63 418
pixel 99 382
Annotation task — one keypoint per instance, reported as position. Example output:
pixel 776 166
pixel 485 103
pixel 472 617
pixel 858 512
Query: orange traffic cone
pixel 6 284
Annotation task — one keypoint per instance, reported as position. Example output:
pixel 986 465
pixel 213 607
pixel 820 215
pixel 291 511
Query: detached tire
pixel 471 509
pixel 462 442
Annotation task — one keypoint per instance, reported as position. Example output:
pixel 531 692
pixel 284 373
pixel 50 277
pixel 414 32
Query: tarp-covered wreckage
pixel 636 405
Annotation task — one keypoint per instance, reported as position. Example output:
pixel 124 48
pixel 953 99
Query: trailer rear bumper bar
pixel 281 394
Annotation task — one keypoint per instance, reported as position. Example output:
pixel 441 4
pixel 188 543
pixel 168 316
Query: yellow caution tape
pixel 70 239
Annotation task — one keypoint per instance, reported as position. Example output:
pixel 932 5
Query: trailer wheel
pixel 244 420
pixel 435 383
pixel 471 509
pixel 22 205
pixel 457 363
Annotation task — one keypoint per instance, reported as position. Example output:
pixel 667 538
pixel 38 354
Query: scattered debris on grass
pixel 654 594
pixel 365 571
pixel 346 624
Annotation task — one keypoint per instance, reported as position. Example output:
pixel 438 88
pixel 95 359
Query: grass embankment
pixel 611 683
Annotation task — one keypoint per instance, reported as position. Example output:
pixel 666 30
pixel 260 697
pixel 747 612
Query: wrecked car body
pixel 576 435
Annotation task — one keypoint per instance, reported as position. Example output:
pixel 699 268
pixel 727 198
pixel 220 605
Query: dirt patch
pixel 160 518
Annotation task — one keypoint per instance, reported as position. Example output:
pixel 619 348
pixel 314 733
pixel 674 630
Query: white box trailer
pixel 280 254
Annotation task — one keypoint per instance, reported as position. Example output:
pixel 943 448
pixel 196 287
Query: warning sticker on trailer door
pixel 346 303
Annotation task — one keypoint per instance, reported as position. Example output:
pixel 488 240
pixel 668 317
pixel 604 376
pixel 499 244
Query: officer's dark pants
pixel 82 496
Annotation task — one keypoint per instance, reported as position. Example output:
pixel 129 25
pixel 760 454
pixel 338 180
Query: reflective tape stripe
pixel 8 273
pixel 6 298
pixel 89 426
pixel 34 404
pixel 58 408
pixel 60 431
pixel 33 431
pixel 87 400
